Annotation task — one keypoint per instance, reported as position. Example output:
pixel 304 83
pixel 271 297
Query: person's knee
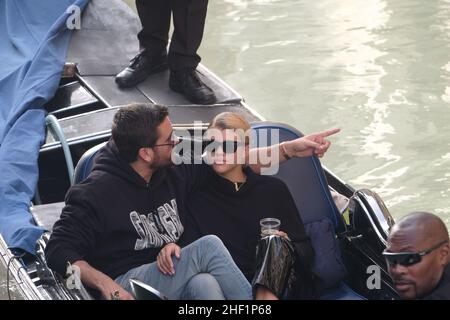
pixel 202 280
pixel 208 248
pixel 203 286
pixel 212 241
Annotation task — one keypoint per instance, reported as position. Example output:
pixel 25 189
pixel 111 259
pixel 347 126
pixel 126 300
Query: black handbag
pixel 280 269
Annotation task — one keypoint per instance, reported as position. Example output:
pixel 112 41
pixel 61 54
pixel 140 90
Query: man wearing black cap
pixel 189 21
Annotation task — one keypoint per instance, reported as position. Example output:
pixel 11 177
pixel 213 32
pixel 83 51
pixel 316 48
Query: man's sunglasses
pixel 408 258
pixel 227 146
pixel 175 140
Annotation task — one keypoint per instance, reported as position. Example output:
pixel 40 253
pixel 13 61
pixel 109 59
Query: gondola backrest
pixel 309 188
pixel 304 176
pixel 85 164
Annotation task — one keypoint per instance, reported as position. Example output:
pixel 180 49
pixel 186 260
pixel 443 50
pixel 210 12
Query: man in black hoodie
pixel 116 221
pixel 126 212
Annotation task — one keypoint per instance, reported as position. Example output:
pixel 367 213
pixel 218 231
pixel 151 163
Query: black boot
pixel 189 84
pixel 140 68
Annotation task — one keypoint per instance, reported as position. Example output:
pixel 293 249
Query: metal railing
pixel 55 129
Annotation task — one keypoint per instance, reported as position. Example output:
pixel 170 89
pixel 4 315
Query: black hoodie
pixel 115 220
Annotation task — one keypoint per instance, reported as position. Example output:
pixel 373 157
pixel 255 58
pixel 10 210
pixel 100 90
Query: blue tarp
pixel 33 44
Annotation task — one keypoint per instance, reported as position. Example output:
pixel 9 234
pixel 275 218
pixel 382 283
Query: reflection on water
pixel 378 69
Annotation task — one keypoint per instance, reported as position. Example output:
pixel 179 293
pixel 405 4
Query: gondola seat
pixel 85 164
pixel 307 183
pixel 45 215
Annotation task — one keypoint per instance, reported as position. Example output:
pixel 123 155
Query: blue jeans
pixel 205 270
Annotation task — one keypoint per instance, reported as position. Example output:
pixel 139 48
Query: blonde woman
pixel 233 201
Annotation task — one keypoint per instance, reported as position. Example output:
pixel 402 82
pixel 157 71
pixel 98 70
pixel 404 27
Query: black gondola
pixel 80 116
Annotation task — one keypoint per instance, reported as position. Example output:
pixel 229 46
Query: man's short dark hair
pixel 135 126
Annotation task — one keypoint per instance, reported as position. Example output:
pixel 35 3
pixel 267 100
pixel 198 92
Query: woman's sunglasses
pixel 408 258
pixel 227 146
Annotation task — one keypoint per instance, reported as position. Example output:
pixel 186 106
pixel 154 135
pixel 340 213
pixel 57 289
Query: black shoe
pixel 189 84
pixel 140 68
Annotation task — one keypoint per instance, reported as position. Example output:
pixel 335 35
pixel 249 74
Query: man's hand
pixel 93 278
pixel 313 144
pixel 112 291
pixel 164 259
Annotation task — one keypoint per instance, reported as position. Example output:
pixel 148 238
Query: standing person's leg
pixel 189 22
pixel 155 20
pixel 153 38
pixel 206 255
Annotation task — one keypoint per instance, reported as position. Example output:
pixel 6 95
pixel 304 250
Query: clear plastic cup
pixel 269 226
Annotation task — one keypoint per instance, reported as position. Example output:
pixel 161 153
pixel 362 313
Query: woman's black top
pixel 217 208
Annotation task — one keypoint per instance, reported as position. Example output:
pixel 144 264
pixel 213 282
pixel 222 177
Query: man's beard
pixel 158 164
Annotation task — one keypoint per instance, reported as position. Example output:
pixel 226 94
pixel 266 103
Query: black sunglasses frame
pixel 175 140
pixel 227 146
pixel 408 259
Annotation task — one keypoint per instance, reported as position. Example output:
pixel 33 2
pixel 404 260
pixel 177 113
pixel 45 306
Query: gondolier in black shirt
pixel 182 59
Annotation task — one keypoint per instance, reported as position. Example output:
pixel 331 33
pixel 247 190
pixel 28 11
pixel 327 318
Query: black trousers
pixel 189 22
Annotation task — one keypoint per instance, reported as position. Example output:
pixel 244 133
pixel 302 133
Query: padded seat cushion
pixel 45 215
pixel 85 164
pixel 340 292
pixel 328 265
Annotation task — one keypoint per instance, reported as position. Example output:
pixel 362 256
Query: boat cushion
pixel 309 188
pixel 45 215
pixel 303 176
pixel 84 165
pixel 328 265
pixel 340 292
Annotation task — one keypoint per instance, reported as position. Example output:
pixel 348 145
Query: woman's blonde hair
pixel 231 120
